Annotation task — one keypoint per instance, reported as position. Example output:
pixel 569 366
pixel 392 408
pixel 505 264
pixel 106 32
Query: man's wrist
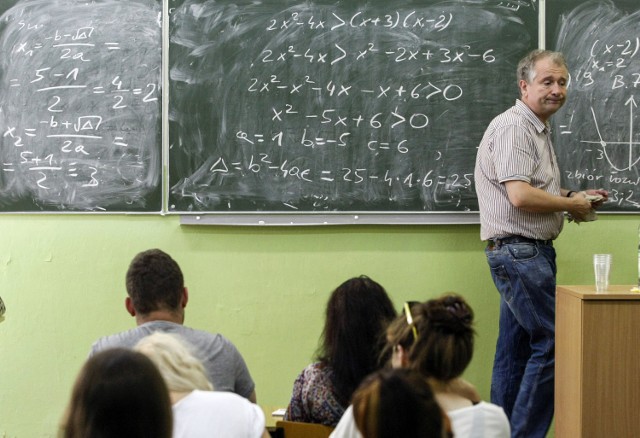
pixel 570 193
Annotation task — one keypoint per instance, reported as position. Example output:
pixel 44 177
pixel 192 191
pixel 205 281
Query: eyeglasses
pixel 409 316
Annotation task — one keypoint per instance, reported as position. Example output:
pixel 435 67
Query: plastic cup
pixel 602 269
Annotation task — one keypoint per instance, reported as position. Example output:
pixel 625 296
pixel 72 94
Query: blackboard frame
pixel 81 123
pixel 160 198
pixel 202 198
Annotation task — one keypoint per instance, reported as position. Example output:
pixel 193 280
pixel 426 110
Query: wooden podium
pixel 597 384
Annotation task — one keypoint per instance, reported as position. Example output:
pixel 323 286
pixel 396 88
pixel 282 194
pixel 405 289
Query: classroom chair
pixel 296 429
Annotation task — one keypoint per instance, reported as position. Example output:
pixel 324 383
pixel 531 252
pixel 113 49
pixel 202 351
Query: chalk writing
pixel 80 106
pixel 332 107
pixel 596 132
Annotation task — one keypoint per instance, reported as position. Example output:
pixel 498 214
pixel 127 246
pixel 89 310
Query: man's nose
pixel 557 89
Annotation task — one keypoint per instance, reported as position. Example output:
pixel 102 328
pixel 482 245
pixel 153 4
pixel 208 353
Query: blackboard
pixel 596 133
pixel 80 106
pixel 320 107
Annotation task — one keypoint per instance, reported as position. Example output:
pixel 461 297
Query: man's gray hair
pixel 526 67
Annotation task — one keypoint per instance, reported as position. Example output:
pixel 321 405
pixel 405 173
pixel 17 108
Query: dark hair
pixel 357 315
pixel 154 282
pixel 398 403
pixel 444 347
pixel 119 393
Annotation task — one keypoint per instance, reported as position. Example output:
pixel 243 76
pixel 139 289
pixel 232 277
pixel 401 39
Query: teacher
pixel 521 212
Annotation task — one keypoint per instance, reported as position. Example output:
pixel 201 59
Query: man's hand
pixel 579 206
pixel 603 193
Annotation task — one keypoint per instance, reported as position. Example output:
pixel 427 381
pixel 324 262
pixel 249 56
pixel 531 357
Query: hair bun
pixel 449 314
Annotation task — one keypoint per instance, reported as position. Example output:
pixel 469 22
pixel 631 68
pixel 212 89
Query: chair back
pixel 296 429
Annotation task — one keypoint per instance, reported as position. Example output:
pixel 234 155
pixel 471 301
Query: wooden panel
pixel 295 429
pixel 568 383
pixel 611 389
pixel 597 363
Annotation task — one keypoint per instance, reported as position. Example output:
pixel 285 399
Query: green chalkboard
pixel 80 106
pixel 315 106
pixel 596 133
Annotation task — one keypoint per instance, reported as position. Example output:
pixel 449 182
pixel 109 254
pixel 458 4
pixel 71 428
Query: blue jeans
pixel 523 369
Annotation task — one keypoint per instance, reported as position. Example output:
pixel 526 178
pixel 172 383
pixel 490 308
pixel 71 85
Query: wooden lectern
pixel 597 384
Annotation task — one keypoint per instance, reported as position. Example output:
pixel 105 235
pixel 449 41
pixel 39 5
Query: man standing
pixel 521 212
pixel 157 298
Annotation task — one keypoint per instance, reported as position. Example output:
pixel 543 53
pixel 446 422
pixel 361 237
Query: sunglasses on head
pixel 406 309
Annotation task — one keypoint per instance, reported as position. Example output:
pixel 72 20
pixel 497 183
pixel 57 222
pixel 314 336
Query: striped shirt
pixel 516 147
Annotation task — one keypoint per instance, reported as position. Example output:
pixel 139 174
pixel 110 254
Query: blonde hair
pixel 181 370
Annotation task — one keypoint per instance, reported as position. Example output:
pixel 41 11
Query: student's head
pixel 155 282
pixel 357 314
pixel 444 345
pixel 398 403
pixel 181 370
pixel 119 393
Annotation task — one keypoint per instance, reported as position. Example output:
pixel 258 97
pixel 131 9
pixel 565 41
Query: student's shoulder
pixel 129 338
pixel 494 415
pixel 125 339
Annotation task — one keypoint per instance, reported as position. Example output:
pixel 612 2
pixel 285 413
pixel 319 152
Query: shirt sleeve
pixel 295 410
pixel 244 384
pixel 514 154
pixel 346 427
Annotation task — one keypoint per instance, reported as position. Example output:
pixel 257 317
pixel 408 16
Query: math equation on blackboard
pixel 80 105
pixel 335 107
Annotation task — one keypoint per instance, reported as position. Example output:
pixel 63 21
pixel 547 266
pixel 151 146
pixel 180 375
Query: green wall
pixel 62 279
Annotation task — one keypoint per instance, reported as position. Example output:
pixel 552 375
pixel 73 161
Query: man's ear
pixel 185 297
pixel 522 85
pixel 128 303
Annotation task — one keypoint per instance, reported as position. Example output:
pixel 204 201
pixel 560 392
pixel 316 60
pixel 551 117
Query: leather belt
pixel 498 241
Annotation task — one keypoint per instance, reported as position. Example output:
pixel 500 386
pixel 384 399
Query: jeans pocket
pixel 496 259
pixel 523 251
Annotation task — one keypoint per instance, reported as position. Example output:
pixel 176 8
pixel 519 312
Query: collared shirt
pixel 516 147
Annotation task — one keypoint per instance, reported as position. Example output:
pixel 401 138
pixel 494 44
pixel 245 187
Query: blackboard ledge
pixel 289 220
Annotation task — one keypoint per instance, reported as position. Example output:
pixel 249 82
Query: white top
pixel 484 420
pixel 205 414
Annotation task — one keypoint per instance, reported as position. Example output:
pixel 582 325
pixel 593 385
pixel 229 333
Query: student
pixel 119 393
pixel 398 403
pixel 198 411
pixel 353 337
pixel 435 338
pixel 157 298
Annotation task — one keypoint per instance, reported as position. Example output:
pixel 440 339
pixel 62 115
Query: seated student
pixel 157 298
pixel 198 411
pixel 398 403
pixel 357 314
pixel 119 393
pixel 435 338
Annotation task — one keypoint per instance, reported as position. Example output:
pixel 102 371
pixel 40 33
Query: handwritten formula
pixel 597 132
pixel 332 107
pixel 80 106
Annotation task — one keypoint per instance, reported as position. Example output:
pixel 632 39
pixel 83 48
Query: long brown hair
pixel 445 337
pixel 357 315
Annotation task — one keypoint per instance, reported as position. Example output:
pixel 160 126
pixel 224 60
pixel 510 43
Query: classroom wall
pixel 62 279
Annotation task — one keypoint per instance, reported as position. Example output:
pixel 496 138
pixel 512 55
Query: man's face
pixel 547 91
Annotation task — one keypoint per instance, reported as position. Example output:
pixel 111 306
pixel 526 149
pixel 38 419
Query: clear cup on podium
pixel 602 270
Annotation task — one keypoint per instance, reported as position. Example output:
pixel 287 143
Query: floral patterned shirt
pixel 313 399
